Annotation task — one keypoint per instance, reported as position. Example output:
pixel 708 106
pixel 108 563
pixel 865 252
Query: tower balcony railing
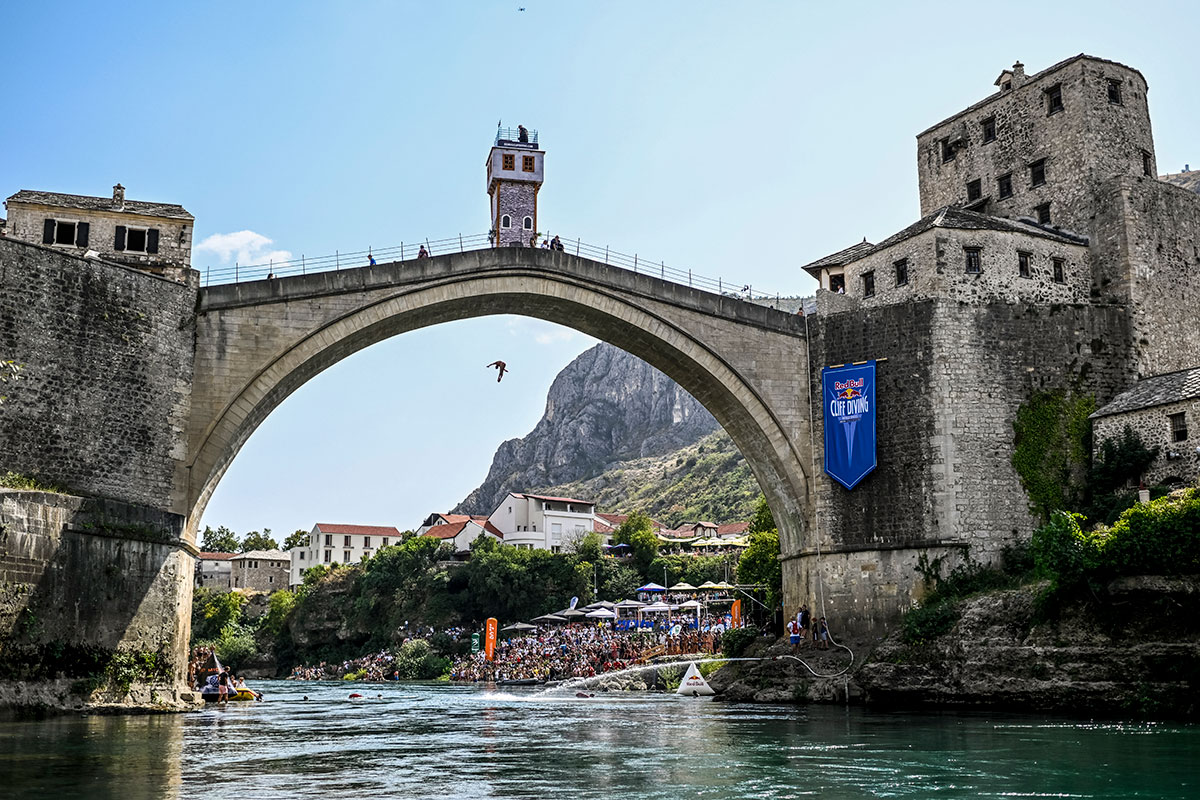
pixel 406 251
pixel 513 136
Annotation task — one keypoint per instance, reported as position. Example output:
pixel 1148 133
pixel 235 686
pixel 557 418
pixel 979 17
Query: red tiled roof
pixel 617 519
pixel 365 530
pixel 450 530
pixel 736 528
pixel 603 527
pixel 216 556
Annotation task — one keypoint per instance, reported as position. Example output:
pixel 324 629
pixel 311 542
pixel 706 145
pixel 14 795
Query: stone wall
pixel 947 397
pixel 1090 139
pixel 104 397
pixel 82 579
pixel 518 200
pixel 1177 461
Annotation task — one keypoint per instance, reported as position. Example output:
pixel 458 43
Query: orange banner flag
pixel 736 613
pixel 489 639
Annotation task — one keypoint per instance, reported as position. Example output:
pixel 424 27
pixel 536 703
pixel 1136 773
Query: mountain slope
pixel 604 408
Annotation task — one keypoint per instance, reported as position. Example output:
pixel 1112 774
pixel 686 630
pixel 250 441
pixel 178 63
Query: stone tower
pixel 514 173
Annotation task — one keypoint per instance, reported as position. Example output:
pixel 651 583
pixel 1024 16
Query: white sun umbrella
pixel 683 587
pixel 601 613
pixel 693 604
pixel 549 618
pixel 709 585
pixel 570 613
pixel 630 604
pixel 599 604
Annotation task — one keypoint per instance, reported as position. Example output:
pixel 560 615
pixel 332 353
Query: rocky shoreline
pixel 1132 652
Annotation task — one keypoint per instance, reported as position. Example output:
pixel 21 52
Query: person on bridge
pixel 422 253
pixel 556 244
pixel 501 366
pixel 370 259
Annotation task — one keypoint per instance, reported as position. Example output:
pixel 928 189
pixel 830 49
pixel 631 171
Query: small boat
pixel 210 690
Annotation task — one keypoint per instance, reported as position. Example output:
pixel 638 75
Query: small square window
pixel 974 190
pixel 947 150
pixel 527 163
pixel 509 161
pixel 1023 260
pixel 1004 186
pixel 1060 273
pixel 974 260
pixel 868 283
pixel 1179 431
pixel 385 542
pixel 366 541
pixel 1147 165
pixel 837 284
pixel 328 540
pixel 1054 99
pixel 347 559
pixel 989 129
pixel 135 240
pixel 346 543
pixel 64 233
pixel 901 272
pixel 1114 91
pixel 1043 213
pixel 1037 172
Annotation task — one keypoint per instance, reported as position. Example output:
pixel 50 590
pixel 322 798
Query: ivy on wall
pixel 1052 450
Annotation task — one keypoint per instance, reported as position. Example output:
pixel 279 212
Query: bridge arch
pixel 259 342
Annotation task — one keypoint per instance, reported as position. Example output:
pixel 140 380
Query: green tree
pixel 760 564
pixel 589 547
pixel 638 532
pixel 259 541
pixel 297 539
pixel 1117 469
pixel 222 540
pixel 762 519
pixel 619 583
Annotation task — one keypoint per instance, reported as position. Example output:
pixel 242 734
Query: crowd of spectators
pixel 379 666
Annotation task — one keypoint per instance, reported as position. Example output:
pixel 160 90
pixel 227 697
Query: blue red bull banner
pixel 849 401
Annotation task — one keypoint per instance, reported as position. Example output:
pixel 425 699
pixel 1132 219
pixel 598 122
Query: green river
pixel 440 741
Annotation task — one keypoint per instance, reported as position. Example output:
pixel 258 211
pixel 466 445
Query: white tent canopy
pixel 601 613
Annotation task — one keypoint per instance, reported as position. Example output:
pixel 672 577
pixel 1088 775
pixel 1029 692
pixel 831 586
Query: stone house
pixel 1164 410
pixel 260 570
pixel 214 570
pixel 153 237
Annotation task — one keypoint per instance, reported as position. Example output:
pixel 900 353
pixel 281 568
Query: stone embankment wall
pixel 103 399
pixel 85 581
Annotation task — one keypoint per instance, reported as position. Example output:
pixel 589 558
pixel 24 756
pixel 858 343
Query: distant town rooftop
pixel 513 137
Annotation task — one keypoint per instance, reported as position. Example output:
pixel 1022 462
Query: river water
pixel 439 741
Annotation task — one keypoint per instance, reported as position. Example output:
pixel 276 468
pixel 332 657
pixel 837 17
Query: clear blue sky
pixel 739 139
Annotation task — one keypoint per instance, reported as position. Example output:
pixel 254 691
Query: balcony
pixel 517 137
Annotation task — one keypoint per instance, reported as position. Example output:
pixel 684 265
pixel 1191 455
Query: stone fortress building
pixel 1049 257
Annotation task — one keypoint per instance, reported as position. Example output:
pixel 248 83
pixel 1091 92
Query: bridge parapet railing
pixel 350 259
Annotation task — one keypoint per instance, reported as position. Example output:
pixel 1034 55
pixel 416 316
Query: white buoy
pixel 693 683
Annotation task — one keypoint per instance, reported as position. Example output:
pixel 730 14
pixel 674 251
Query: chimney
pixel 1018 75
pixel 119 197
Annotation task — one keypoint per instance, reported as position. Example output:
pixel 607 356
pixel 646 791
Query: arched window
pixel 505 222
pixel 528 224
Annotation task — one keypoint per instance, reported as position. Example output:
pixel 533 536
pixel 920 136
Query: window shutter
pixel 81 234
pixel 119 242
pixel 152 240
pixel 48 232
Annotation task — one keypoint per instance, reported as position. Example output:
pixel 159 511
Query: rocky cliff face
pixel 605 407
pixel 1188 180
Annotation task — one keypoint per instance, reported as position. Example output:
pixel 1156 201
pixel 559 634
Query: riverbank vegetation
pixel 407 589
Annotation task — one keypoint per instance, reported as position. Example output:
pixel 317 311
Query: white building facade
pixel 331 543
pixel 538 522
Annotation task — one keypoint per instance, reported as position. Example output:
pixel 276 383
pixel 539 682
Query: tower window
pixel 974 260
pixel 947 150
pixel 527 163
pixel 1023 264
pixel 1147 167
pixel 509 161
pixel 1060 274
pixel 1037 172
pixel 1114 91
pixel 868 284
pixel 505 221
pixel 989 129
pixel 1179 431
pixel 974 190
pixel 1004 185
pixel 901 272
pixel 1043 213
pixel 527 223
pixel 1054 100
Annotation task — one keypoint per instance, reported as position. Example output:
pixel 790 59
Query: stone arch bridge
pixel 257 342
